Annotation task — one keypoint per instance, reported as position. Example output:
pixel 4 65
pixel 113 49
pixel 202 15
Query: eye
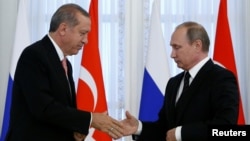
pixel 175 47
pixel 83 33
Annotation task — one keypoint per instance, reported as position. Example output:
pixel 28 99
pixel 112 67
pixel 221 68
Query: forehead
pixel 84 22
pixel 179 35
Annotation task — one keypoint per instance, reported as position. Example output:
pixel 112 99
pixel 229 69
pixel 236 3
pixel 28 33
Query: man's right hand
pixel 130 124
pixel 105 123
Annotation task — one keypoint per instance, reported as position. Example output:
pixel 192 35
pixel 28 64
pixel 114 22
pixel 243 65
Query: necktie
pixel 64 64
pixel 186 82
pixel 185 86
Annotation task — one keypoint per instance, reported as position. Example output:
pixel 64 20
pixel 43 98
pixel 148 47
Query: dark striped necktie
pixel 186 82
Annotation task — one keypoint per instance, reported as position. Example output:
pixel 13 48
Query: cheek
pixel 181 53
pixel 184 56
pixel 72 37
pixel 73 41
pixel 68 39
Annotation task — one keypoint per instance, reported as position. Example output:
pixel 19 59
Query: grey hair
pixel 196 31
pixel 66 13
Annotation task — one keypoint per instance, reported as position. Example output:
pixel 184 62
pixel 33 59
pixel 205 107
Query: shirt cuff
pixel 139 129
pixel 90 119
pixel 178 133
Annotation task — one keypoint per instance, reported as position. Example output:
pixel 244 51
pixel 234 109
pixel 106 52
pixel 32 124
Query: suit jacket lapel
pixel 57 65
pixel 186 98
pixel 71 82
pixel 170 98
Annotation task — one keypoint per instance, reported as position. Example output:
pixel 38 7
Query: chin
pixel 179 66
pixel 74 53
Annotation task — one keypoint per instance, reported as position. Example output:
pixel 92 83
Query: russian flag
pixel 156 71
pixel 22 39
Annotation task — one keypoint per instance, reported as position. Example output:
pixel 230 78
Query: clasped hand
pixel 116 129
pixel 105 123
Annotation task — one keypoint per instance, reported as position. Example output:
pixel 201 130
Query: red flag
pixel 223 49
pixel 90 92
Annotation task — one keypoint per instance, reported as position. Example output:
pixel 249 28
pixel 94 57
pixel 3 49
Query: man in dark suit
pixel 211 96
pixel 44 99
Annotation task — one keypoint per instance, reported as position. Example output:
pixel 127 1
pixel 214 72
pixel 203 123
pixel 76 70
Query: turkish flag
pixel 91 92
pixel 223 49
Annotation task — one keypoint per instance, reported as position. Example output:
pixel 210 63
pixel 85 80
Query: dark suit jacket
pixel 43 108
pixel 211 99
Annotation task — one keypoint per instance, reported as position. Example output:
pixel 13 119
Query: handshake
pixel 114 128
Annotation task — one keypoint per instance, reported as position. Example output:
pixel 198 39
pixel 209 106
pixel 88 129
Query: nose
pixel 172 55
pixel 85 39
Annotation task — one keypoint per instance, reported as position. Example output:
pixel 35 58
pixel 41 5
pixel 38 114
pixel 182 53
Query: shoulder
pixel 221 76
pixel 219 69
pixel 38 48
pixel 215 69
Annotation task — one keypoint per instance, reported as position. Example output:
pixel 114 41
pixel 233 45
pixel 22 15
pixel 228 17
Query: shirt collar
pixel 58 49
pixel 193 71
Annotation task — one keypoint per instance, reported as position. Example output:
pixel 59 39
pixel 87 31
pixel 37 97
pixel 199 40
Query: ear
pixel 62 29
pixel 197 44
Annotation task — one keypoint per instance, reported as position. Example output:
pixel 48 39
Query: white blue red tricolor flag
pixel 22 39
pixel 156 71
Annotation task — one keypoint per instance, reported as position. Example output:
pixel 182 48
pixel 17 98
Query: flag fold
pixel 90 92
pixel 21 40
pixel 156 71
pixel 223 49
